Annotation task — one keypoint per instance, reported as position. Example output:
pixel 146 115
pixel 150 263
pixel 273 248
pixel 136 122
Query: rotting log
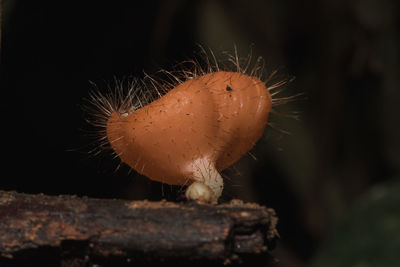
pixel 80 229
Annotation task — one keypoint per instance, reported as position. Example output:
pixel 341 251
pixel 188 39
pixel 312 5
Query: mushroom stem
pixel 208 183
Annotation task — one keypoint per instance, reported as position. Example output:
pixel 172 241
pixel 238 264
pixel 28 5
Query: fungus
pixel 187 131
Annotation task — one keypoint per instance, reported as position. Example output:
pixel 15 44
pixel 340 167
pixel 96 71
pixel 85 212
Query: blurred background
pixel 333 179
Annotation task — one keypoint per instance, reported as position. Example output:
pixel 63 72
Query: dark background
pixel 344 55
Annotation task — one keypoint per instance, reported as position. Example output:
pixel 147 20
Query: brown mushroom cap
pixel 217 116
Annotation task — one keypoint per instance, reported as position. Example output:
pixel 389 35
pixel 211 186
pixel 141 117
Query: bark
pixel 75 231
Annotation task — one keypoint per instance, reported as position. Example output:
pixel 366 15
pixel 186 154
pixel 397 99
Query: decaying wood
pixel 84 229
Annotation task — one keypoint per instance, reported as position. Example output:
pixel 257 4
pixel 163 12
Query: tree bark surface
pixel 80 229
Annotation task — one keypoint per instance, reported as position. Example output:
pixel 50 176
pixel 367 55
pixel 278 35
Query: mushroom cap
pixel 218 116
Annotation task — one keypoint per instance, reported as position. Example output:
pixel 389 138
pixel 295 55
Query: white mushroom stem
pixel 208 184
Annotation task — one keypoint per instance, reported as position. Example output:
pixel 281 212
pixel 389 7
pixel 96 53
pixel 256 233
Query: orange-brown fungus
pixel 193 132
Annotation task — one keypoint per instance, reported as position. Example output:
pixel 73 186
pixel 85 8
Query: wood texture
pixel 78 230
